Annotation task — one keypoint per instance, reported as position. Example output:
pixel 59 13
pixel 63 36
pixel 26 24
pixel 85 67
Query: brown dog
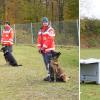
pixel 59 74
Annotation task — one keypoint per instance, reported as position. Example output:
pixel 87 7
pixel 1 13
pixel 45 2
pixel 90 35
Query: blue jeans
pixel 46 57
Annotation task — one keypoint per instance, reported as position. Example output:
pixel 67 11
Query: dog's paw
pixel 67 79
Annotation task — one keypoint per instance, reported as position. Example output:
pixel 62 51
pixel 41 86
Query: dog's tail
pixel 16 65
pixel 19 65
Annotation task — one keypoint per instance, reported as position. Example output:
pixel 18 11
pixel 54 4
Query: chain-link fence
pixel 66 32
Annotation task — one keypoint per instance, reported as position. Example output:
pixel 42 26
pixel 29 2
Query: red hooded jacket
pixel 7 36
pixel 45 39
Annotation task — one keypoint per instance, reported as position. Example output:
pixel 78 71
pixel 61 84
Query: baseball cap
pixel 45 19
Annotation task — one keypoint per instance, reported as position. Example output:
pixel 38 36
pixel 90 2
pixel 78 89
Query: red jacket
pixel 7 37
pixel 46 39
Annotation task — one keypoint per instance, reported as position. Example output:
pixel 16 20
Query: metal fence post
pixel 27 33
pixel 15 33
pixel 77 22
pixel 0 32
pixel 32 32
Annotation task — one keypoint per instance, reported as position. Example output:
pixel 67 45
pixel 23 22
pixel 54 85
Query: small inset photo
pixel 89 50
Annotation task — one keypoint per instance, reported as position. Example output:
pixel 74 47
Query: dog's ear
pixel 4 48
pixel 1 49
pixel 55 55
pixel 59 53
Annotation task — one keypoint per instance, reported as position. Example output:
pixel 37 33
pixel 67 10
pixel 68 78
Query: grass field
pixel 90 91
pixel 26 82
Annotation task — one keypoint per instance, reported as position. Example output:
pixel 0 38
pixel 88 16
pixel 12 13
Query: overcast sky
pixel 90 8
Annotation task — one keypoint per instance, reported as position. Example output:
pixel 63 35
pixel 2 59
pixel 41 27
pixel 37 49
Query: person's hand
pixel 39 50
pixel 42 50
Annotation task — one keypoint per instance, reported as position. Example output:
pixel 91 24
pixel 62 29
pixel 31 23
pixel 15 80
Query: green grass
pixel 90 91
pixel 26 82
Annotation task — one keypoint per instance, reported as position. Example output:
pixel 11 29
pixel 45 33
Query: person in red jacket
pixel 46 43
pixel 7 37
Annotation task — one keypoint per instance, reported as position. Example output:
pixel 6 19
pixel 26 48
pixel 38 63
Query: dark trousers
pixel 46 57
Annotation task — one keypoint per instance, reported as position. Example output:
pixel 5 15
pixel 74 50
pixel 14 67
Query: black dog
pixel 9 57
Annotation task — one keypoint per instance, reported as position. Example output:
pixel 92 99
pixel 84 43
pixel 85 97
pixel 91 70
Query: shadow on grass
pixel 5 65
pixel 89 83
pixel 45 82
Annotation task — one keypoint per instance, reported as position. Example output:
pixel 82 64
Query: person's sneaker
pixel 46 78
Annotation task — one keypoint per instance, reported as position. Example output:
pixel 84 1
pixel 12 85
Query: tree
pixel 71 9
pixel 22 11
